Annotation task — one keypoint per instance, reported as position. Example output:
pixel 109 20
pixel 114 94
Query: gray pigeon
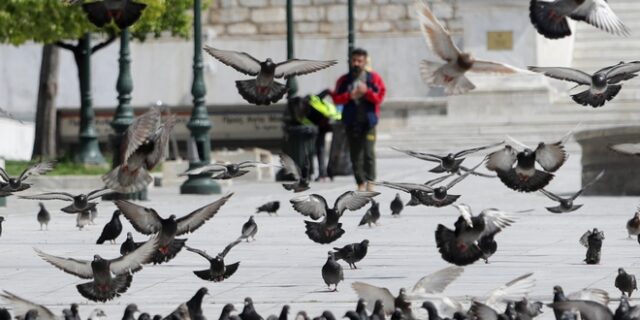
pixel 80 202
pixel 566 204
pixel 269 207
pixel 129 245
pixel 633 225
pixel 72 313
pixel 248 312
pixel 626 282
pixel 263 90
pixel 194 305
pixel 603 85
pixel 9 184
pixel 589 310
pixel 225 314
pixel 592 240
pixel 249 230
pixel 43 216
pixel 332 272
pixel 217 270
pixel 130 311
pixel 372 215
pixel 123 12
pixel 396 206
pixel 352 253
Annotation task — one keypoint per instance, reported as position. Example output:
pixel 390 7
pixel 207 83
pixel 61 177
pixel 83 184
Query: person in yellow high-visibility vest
pixel 321 113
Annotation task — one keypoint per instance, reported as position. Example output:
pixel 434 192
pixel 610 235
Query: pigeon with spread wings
pixel 517 169
pixel 80 202
pixel 566 204
pixel 217 271
pixel 315 206
pixel 451 73
pixel 592 240
pixel 110 277
pixel 589 294
pixel 264 90
pixel 550 17
pixel 123 12
pixel 147 221
pixel 604 85
pixel 225 171
pixel 300 176
pixel 142 148
pixel 9 184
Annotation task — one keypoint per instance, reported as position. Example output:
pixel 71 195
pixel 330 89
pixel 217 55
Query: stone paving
pixel 283 265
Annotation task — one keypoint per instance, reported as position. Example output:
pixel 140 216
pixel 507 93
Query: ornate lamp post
pixel 199 124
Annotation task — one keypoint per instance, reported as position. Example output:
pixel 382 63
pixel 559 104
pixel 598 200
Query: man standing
pixel 360 92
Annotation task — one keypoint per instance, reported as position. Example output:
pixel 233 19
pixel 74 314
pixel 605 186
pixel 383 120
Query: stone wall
pixel 234 18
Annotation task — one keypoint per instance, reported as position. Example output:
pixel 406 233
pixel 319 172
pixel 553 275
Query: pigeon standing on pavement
pixel 315 206
pixel 566 204
pixel 592 240
pixel 372 215
pixel 194 305
pixel 603 85
pixel 597 295
pixel 80 202
pixel 1 221
pixel 450 73
pixel 130 311
pixel 449 163
pixel 110 277
pixel 332 272
pixel 633 225
pixel 352 253
pixel 249 312
pixel 43 216
pixel 123 12
pixel 264 90
pixel 269 207
pixel 550 17
pixel 217 271
pixel 396 206
pixel 249 230
pixel 112 229
pixel 143 147
pixel 626 282
pixel 225 314
pixel 72 313
pixel 9 184
pixel 129 245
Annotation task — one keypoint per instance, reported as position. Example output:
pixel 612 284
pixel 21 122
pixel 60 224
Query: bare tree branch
pixel 103 44
pixel 65 45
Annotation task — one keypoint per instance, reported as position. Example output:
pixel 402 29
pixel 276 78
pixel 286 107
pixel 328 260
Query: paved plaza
pixel 283 266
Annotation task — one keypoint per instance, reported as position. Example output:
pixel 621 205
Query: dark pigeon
pixel 633 225
pixel 130 311
pixel 315 206
pixel 299 176
pixel 592 240
pixel 112 229
pixel 528 310
pixel 284 314
pixel 361 309
pixel 372 215
pixel 129 245
pixel 352 315
pixel 43 216
pixel 603 85
pixel 72 313
pixel 589 310
pixel 1 221
pixel 625 311
pixel 328 315
pixel 217 271
pixel 147 221
pixel 248 312
pixel 225 171
pixel 79 203
pixel 396 206
pixel 4 314
pixel 123 12
pixel 110 277
pixel 9 184
pixel 332 272
pixel 269 207
pixel 263 90
pixel 550 17
pixel 302 315
pixel 626 282
pixel 378 311
pixel 352 253
pixel 194 305
pixel 144 316
pixel 566 204
pixel 488 246
pixel 249 230
pixel 432 311
pixel 398 315
pixel 226 312
pixel 597 295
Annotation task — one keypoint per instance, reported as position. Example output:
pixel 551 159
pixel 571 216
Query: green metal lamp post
pixel 89 149
pixel 292 84
pixel 123 117
pixel 199 124
pixel 351 25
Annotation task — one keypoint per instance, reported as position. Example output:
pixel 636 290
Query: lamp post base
pixel 200 184
pixel 89 152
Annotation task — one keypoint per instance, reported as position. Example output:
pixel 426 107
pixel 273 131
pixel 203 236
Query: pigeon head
pixel 41 204
pixel 132 308
pixel 144 316
pixel 269 65
pixel 31 315
pixel 251 218
pixel 331 255
pixel 558 290
pixel 1 219
pixel 117 213
pixel 402 292
pixel 13 182
pixel 81 198
pixel 621 271
pixel 172 217
pixel 378 305
pixel 599 79
pixel 97 257
pixel 375 204
pixel 465 61
pixel 129 236
pixel 397 195
pixel 440 192
pixel 74 308
pixel 365 242
pixel 526 158
pixel 202 291
pixel 228 308
pixel 328 315
pixel 248 301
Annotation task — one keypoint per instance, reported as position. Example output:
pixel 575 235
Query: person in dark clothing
pixel 360 92
pixel 322 114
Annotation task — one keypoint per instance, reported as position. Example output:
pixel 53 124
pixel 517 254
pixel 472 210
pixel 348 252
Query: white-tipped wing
pixel 372 293
pixel 599 14
pixel 313 205
pixel 133 261
pixel 298 67
pixel 591 294
pixel 566 74
pixel 437 37
pixel 353 200
pixel 512 290
pixel 197 218
pixel 37 169
pixel 494 221
pixel 241 61
pixel 465 212
pixel 484 66
pixel 78 268
pixel 437 281
pixel 144 220
pixel 139 132
pixel 21 306
pixel 502 159
pixel 627 148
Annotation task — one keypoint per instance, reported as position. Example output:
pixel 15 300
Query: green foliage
pixel 48 21
pixel 62 168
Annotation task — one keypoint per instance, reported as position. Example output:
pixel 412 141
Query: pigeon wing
pixel 406 187
pixel 482 311
pixel 502 159
pixel 4 175
pixel 589 310
pixel 78 268
pixel 353 200
pixel 562 73
pixel 584 239
pixel 138 133
pixel 465 212
pixel 202 253
pixel 514 289
pixel 372 293
pixel 483 66
pixel 598 177
pixel 64 196
pixel 298 67
pixel 290 166
pixel 550 195
pixel 622 71
pixel 241 61
pixel 463 176
pixel 599 14
pixel 591 294
pixel 474 150
pixel 160 147
pixel 229 247
pixel 419 155
pixel 438 281
pixel 437 180
pixel 36 169
pixel 197 218
pixel 144 220
pixel 133 261
pixel 437 37
pixel 98 193
pixel 214 167
pixel 314 205
pixel 494 221
pixel 21 306
pixel 551 156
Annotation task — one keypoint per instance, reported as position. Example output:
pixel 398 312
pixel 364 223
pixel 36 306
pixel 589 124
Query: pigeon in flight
pixel 123 12
pixel 80 202
pixel 9 184
pixel 460 246
pixel 566 204
pixel 588 310
pixel 217 271
pixel 315 206
pixel 626 282
pixel 142 148
pixel 450 73
pixel 604 85
pixel 633 225
pixel 147 221
pixel 550 17
pixel 372 215
pixel 352 253
pixel 332 272
pixel 112 229
pixel 43 216
pixel 300 177
pixel 592 240
pixel 249 230
pixel 451 162
pixel 517 169
pixel 264 90
pixel 225 171
pixel 110 277
pixel 270 207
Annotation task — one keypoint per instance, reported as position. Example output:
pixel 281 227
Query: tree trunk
pixel 45 138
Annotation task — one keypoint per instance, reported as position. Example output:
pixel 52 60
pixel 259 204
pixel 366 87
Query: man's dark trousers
pixel 361 146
